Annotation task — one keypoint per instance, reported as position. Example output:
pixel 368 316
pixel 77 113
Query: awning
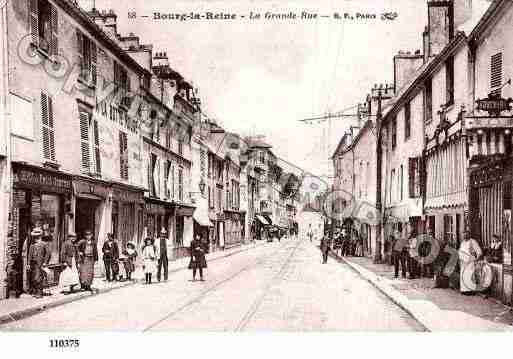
pixel 262 220
pixel 200 215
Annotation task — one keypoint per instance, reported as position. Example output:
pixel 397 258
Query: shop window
pixel 90 143
pixel 51 223
pixel 47 127
pixel 123 155
pixel 44 26
pixel 87 59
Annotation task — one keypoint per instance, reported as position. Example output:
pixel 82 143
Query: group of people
pixel 80 256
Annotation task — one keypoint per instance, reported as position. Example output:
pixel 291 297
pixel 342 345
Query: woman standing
pixel 198 260
pixel 69 277
pixel 149 256
pixel 470 252
pixel 88 255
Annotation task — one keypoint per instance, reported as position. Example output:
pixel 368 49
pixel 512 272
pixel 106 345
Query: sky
pixel 260 77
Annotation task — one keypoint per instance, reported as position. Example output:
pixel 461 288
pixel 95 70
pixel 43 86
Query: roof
pixel 367 126
pixel 479 8
pixel 85 20
pixel 495 8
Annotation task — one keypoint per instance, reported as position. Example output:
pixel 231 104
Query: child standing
pixel 129 263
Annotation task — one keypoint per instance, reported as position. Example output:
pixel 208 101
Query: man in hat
pixel 110 257
pixel 162 254
pixel 39 255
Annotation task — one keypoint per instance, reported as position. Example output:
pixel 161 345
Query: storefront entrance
pixel 86 216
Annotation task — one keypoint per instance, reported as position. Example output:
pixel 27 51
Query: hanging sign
pixel 494 104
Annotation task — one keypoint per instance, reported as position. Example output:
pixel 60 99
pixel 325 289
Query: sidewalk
pixel 436 308
pixel 18 308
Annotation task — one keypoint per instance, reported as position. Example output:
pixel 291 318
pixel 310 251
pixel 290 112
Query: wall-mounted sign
pixel 494 104
pixel 31 177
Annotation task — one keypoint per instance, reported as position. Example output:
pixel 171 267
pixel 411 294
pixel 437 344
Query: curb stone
pixel 28 312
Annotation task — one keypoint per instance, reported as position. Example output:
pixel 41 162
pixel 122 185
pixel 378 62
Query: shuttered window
pixel 87 58
pixel 122 82
pixel 89 143
pixel 180 184
pixel 394 132
pixel 449 80
pixel 428 101
pixel 47 127
pixel 167 179
pixel 496 73
pixel 407 120
pixel 44 26
pixel 414 177
pixel 123 155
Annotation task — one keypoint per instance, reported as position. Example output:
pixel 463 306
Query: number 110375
pixel 64 343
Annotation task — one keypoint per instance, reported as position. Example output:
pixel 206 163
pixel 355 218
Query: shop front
pixel 41 198
pixel 157 215
pixel 184 230
pixel 262 224
pixel 233 228
pixel 92 203
pixel 127 214
pixel 490 205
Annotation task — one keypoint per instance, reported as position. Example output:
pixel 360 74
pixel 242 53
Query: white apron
pixel 69 276
pixel 469 253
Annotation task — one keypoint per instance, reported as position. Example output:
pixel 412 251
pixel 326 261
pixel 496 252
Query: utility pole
pixel 379 160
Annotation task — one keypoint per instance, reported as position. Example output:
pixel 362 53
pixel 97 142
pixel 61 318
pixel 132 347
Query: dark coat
pixel 68 251
pixel 110 251
pixel 162 248
pixel 39 254
pixel 325 245
pixel 198 259
pixel 81 250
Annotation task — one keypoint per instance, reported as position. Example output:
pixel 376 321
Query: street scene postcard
pixel 255 166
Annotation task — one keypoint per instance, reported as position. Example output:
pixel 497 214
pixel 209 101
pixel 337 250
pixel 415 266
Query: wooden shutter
pixel 94 60
pixel 80 53
pixel 84 141
pixel 97 155
pixel 123 152
pixel 496 73
pixel 34 21
pixel 47 127
pixel 54 40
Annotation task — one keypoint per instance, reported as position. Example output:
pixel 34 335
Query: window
pixel 152 175
pixel 87 59
pixel 414 177
pixel 44 26
pixel 210 197
pixel 167 180
pixel 123 155
pixel 219 198
pixel 407 120
pixel 428 101
pixel 90 143
pixel 449 80
pixel 168 138
pixel 180 146
pixel 392 183
pixel 122 82
pixel 394 132
pixel 180 184
pixel 47 127
pixel 262 156
pixel 496 74
pixel 401 184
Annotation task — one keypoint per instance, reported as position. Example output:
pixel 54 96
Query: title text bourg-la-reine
pixel 290 15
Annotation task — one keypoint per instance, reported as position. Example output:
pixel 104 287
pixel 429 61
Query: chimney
pixel 440 26
pixel 462 11
pixel 161 60
pixel 108 21
pixel 405 65
pixel 86 5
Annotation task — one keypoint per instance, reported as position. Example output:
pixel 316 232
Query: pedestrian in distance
pixel 149 256
pixel 163 260
pixel 38 257
pixel 87 257
pixel 69 276
pixel 310 233
pixel 399 255
pixel 110 258
pixel 130 255
pixel 198 261
pixel 325 248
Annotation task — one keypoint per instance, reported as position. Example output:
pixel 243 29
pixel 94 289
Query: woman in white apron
pixel 69 276
pixel 475 275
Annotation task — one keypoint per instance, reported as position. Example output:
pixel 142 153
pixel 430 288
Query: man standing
pixel 400 248
pixel 110 258
pixel 413 255
pixel 162 257
pixel 39 255
pixel 324 249
pixel 310 232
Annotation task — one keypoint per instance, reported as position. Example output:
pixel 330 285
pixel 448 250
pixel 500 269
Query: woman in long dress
pixel 469 254
pixel 69 277
pixel 88 255
pixel 149 256
pixel 198 261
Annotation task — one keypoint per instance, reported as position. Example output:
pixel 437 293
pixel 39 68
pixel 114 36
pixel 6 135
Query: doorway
pixel 85 216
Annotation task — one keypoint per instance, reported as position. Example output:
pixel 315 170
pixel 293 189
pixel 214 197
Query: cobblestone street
pixel 278 286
